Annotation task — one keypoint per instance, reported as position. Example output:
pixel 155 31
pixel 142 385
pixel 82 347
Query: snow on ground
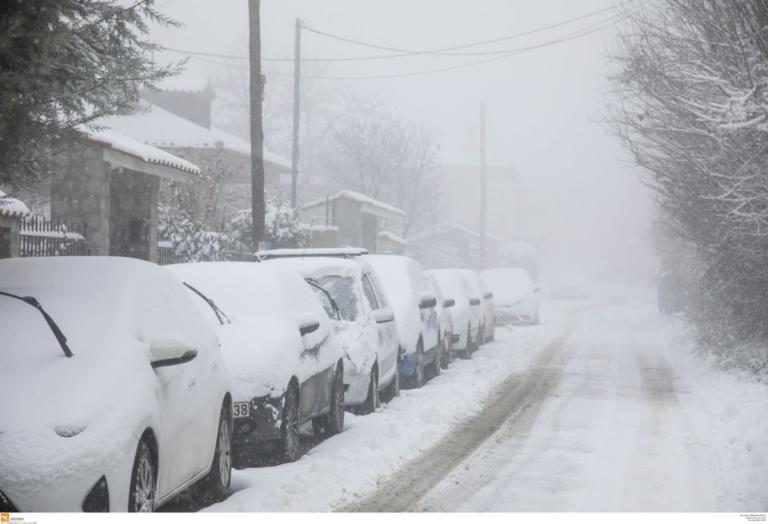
pixel 349 466
pixel 638 422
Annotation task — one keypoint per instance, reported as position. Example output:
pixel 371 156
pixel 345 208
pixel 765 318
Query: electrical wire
pixel 402 53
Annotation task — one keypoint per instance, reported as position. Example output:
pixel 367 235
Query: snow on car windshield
pixel 342 289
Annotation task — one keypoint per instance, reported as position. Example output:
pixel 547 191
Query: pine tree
pixel 65 63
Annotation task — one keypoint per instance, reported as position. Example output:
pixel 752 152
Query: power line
pixel 402 53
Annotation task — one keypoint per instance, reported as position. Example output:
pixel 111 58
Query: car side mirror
pixel 488 295
pixel 427 302
pixel 167 353
pixel 474 301
pixel 308 327
pixel 449 302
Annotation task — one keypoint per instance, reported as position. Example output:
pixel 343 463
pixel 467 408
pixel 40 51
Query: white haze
pixel 584 204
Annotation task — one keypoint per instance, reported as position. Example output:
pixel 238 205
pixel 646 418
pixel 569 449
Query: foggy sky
pixel 588 208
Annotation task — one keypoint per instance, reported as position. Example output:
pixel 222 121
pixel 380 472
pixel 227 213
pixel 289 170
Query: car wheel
pixel 217 481
pixel 332 422
pixel 436 366
pixel 372 400
pixel 445 361
pixel 480 338
pixel 393 389
pixel 468 348
pixel 492 334
pixel 418 374
pixel 143 493
pixel 290 437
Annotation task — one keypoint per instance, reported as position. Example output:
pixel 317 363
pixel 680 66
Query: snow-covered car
pixel 415 308
pixel 444 321
pixel 488 326
pixel 514 295
pixel 115 394
pixel 278 342
pixel 466 312
pixel 366 328
pixel 570 285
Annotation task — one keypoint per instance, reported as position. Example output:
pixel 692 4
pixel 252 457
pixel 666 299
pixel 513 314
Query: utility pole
pixel 296 110
pixel 483 195
pixel 257 129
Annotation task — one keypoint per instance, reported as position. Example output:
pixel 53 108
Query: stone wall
pixel 80 189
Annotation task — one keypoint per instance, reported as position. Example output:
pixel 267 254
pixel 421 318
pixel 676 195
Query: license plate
pixel 241 409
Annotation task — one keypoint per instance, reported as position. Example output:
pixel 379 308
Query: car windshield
pixel 342 289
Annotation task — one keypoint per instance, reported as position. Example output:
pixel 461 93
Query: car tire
pixel 372 400
pixel 332 422
pixel 393 389
pixel 218 479
pixel 447 355
pixel 142 496
pixel 437 364
pixel 466 353
pixel 417 380
pixel 290 436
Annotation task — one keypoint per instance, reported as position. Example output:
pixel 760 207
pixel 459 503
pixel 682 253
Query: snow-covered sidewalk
pixel 349 466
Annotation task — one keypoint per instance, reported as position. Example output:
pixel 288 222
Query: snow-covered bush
pixel 190 241
pixel 281 224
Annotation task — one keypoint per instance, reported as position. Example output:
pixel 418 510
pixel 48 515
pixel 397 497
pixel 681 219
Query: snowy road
pixel 602 408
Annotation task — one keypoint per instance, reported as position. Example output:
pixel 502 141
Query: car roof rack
pixel 340 252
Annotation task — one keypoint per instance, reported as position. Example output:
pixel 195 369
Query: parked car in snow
pixel 488 326
pixel 366 328
pixel 514 295
pixel 287 367
pixel 444 322
pixel 466 313
pixel 570 285
pixel 415 307
pixel 116 393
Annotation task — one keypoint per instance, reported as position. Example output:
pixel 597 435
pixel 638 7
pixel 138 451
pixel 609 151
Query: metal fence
pixel 166 254
pixel 42 237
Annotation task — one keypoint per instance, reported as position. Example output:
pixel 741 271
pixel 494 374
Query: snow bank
pixel 350 465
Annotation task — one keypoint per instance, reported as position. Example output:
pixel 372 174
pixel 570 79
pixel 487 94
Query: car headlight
pixel 97 500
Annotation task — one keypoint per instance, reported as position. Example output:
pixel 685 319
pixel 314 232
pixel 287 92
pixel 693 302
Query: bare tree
pixel 370 150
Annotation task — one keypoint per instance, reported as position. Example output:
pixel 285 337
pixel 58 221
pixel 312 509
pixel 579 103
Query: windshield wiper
pixel 216 309
pixel 32 301
pixel 335 306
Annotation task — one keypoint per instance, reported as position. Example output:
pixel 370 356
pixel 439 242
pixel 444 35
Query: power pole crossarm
pixel 257 129
pixel 296 111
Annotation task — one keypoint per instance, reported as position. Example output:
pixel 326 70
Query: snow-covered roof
pixel 186 83
pixel 388 235
pixel 134 148
pixel 368 202
pixel 12 207
pixel 153 125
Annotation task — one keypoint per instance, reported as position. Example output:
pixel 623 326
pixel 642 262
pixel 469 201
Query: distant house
pixel 361 221
pixel 451 245
pixel 110 182
pixel 12 211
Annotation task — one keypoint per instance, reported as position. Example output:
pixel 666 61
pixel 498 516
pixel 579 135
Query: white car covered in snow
pixel 466 313
pixel 444 321
pixel 278 342
pixel 488 326
pixel 514 295
pixel 414 304
pixel 115 394
pixel 366 328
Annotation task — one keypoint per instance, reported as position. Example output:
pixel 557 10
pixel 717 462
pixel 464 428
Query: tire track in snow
pixel 517 396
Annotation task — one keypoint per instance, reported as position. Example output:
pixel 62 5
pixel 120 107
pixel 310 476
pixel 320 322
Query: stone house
pixel 361 221
pixel 12 211
pixel 110 182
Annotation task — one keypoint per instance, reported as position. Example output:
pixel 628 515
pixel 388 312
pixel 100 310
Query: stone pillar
pixel 80 191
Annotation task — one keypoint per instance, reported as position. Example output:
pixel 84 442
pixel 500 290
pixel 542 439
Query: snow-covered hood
pixel 63 417
pixel 261 355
